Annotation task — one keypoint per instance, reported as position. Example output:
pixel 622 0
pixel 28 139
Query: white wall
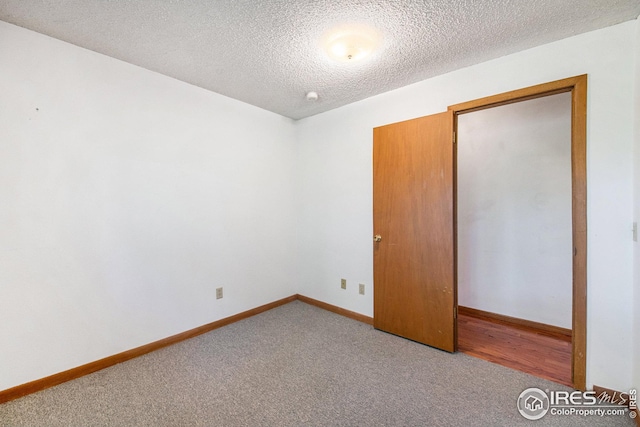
pixel 636 245
pixel 514 210
pixel 335 221
pixel 126 198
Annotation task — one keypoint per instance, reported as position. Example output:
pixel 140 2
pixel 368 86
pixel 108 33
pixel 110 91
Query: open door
pixel 413 219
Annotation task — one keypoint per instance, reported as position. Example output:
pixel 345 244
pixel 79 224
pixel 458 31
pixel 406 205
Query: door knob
pixel 377 238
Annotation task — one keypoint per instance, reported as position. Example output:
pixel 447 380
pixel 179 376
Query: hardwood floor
pixel 538 354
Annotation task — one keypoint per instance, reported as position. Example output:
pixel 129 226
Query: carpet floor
pixel 296 365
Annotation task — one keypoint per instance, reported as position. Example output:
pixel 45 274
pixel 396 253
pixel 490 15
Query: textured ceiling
pixel 269 53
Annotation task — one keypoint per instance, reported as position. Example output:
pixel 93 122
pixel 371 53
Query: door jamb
pixel 578 87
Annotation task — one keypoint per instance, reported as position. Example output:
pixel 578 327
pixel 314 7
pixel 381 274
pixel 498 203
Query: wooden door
pixel 413 215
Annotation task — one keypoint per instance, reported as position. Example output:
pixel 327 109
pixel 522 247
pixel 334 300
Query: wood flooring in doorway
pixel 517 348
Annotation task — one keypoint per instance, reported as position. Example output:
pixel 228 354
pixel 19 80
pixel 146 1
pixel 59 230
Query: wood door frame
pixel 578 87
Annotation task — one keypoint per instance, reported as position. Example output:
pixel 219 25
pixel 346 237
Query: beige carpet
pixel 296 365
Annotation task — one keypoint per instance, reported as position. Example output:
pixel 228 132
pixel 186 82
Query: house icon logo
pixel 533 403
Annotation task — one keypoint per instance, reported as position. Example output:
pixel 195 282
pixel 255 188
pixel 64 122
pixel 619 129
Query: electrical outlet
pixel 343 283
pixel 361 289
pixel 218 293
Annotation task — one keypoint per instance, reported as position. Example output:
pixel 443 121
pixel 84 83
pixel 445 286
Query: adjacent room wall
pixel 514 210
pixel 126 198
pixel 335 180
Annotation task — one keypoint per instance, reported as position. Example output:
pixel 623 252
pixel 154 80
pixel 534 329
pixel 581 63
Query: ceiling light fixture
pixel 350 45
pixel 312 96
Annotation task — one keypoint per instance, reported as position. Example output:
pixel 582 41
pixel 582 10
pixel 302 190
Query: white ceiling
pixel 269 52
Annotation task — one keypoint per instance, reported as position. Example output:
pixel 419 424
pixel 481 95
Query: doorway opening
pixel 524 207
pixel 514 235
